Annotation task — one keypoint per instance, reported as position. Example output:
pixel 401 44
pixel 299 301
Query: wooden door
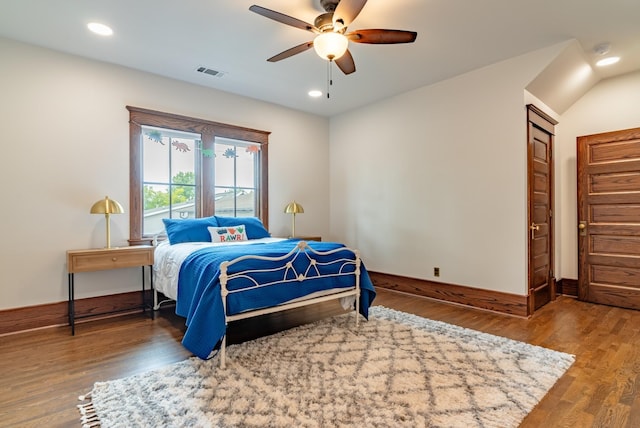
pixel 609 218
pixel 540 183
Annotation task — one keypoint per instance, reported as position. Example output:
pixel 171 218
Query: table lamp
pixel 294 208
pixel 107 207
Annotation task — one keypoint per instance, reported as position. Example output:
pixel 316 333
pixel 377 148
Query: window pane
pixel 225 202
pixel 225 164
pixel 245 168
pixel 156 154
pixel 246 203
pixel 236 172
pixel 169 178
pixel 183 159
pixel 238 203
pixel 156 207
pixel 183 202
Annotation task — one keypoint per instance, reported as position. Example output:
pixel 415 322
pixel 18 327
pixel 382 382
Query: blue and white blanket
pixel 199 298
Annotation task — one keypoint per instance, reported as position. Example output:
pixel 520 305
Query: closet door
pixel 540 183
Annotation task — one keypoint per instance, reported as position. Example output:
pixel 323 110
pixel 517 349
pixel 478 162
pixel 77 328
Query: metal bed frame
pixel 289 275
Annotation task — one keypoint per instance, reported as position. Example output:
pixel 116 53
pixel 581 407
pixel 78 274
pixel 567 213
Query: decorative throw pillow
pixel 254 227
pixel 189 229
pixel 228 233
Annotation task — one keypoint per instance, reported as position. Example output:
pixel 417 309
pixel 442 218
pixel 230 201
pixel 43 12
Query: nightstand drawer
pixel 111 258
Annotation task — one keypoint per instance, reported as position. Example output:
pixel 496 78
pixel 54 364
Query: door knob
pixel 534 227
pixel 582 227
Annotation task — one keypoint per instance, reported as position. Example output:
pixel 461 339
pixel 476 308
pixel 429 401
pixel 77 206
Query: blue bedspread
pixel 200 302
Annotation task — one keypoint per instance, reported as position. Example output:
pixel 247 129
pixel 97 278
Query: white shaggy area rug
pixel 395 370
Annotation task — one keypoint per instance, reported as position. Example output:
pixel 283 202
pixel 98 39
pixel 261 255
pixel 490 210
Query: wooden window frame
pixel 209 130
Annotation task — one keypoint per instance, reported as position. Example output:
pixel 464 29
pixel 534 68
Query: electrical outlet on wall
pixel 436 271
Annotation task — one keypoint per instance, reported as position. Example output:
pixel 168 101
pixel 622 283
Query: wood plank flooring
pixel 43 372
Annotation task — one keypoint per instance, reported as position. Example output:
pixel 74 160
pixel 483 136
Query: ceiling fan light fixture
pixel 330 45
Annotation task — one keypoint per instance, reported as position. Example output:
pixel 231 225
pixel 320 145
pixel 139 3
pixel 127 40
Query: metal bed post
pixel 224 292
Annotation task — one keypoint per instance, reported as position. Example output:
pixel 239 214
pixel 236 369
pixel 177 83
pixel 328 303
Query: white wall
pixel 438 177
pixel 611 105
pixel 65 144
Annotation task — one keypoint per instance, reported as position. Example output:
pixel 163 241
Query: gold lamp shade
pixel 107 207
pixel 293 208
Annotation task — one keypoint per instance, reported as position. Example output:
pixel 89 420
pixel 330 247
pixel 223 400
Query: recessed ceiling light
pixel 100 29
pixel 608 61
pixel 315 93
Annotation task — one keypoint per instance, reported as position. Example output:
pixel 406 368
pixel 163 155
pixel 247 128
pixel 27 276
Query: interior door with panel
pixel 609 218
pixel 540 183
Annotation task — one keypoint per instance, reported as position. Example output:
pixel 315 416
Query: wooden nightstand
pixel 104 259
pixel 308 238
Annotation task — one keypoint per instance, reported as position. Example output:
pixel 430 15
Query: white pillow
pixel 228 233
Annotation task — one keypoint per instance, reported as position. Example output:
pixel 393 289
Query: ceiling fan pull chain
pixel 329 77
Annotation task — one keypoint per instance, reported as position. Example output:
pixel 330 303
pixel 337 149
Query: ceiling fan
pixel 332 39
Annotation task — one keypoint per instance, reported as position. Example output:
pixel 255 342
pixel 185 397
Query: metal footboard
pixel 342 267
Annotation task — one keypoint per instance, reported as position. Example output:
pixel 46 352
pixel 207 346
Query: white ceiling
pixel 173 37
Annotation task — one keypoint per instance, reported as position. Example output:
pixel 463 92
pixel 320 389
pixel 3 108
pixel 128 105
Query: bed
pixel 214 283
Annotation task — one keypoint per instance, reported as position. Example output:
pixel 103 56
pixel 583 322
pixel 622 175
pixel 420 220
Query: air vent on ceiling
pixel 210 71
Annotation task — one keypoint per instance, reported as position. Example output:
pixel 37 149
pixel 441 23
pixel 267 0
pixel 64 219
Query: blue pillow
pixel 189 229
pixel 255 228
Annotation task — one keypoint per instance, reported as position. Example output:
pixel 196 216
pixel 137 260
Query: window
pixel 235 177
pixel 183 167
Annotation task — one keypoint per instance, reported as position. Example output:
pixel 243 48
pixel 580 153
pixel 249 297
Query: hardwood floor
pixel 43 372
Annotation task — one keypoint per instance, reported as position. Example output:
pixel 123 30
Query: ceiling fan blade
pixel 345 63
pixel 346 12
pixel 282 18
pixel 291 52
pixel 382 36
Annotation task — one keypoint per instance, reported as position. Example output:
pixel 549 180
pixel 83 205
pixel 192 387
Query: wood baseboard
pixel 54 314
pixel 496 301
pixel 567 287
